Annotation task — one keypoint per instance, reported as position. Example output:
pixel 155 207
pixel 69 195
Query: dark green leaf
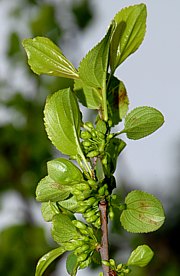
pixel 144 213
pixel 118 101
pixel 71 264
pixel 44 57
pixel 47 259
pixel 62 121
pixel 64 171
pixel 141 256
pixel 142 121
pixel 113 149
pixel 63 229
pixel 130 28
pixel 48 189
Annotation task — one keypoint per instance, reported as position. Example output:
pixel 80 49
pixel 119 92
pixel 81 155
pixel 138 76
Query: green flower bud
pixel 69 246
pixel 81 249
pixel 104 262
pixel 112 263
pixel 97 223
pixel 85 263
pixel 101 191
pixel 86 143
pixel 111 215
pixel 91 219
pixel 90 213
pixel 93 153
pixel 90 201
pixel 88 125
pixel 85 135
pixel 81 209
pixel 79 224
pixel 82 257
pixel 119 267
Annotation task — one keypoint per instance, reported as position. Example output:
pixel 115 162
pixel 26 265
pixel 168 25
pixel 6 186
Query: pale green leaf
pixel 70 204
pixel 48 210
pixel 141 256
pixel 72 264
pixel 142 121
pixel 63 229
pixel 144 213
pixel 87 95
pixel 62 121
pixel 93 72
pixel 44 57
pixel 48 189
pixel 93 67
pixel 47 259
pixel 129 33
pixel 64 171
pixel 118 101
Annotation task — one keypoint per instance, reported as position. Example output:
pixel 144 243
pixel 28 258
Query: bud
pixel 101 191
pixel 86 143
pixel 79 224
pixel 112 263
pixel 88 125
pixel 85 135
pixel 89 213
pixel 91 219
pixel 93 153
pixel 82 257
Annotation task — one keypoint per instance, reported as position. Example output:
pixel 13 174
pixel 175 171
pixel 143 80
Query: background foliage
pixel 25 149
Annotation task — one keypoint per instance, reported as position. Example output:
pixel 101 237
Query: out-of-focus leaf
pixel 45 24
pixel 47 259
pixel 82 12
pixel 144 213
pixel 44 57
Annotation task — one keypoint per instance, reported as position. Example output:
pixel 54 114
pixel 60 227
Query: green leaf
pixel 47 259
pixel 144 213
pixel 141 256
pixel 64 171
pixel 48 189
pixel 118 101
pixel 70 204
pixel 44 57
pixel 92 72
pixel 48 210
pixel 62 121
pixel 142 121
pixel 63 229
pixel 87 95
pixel 130 28
pixel 113 149
pixel 72 264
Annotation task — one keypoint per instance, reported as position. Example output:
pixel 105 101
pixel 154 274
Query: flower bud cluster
pixel 86 246
pixel 120 269
pixel 94 139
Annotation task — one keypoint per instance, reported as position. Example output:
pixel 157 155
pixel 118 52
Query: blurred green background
pixel 25 149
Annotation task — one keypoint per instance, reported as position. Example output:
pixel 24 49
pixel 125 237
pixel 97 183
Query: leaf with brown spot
pixel 118 101
pixel 144 213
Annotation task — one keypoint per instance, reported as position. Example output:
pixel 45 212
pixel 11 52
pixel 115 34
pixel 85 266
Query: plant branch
pixel 104 252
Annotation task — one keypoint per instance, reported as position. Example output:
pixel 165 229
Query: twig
pixel 104 252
